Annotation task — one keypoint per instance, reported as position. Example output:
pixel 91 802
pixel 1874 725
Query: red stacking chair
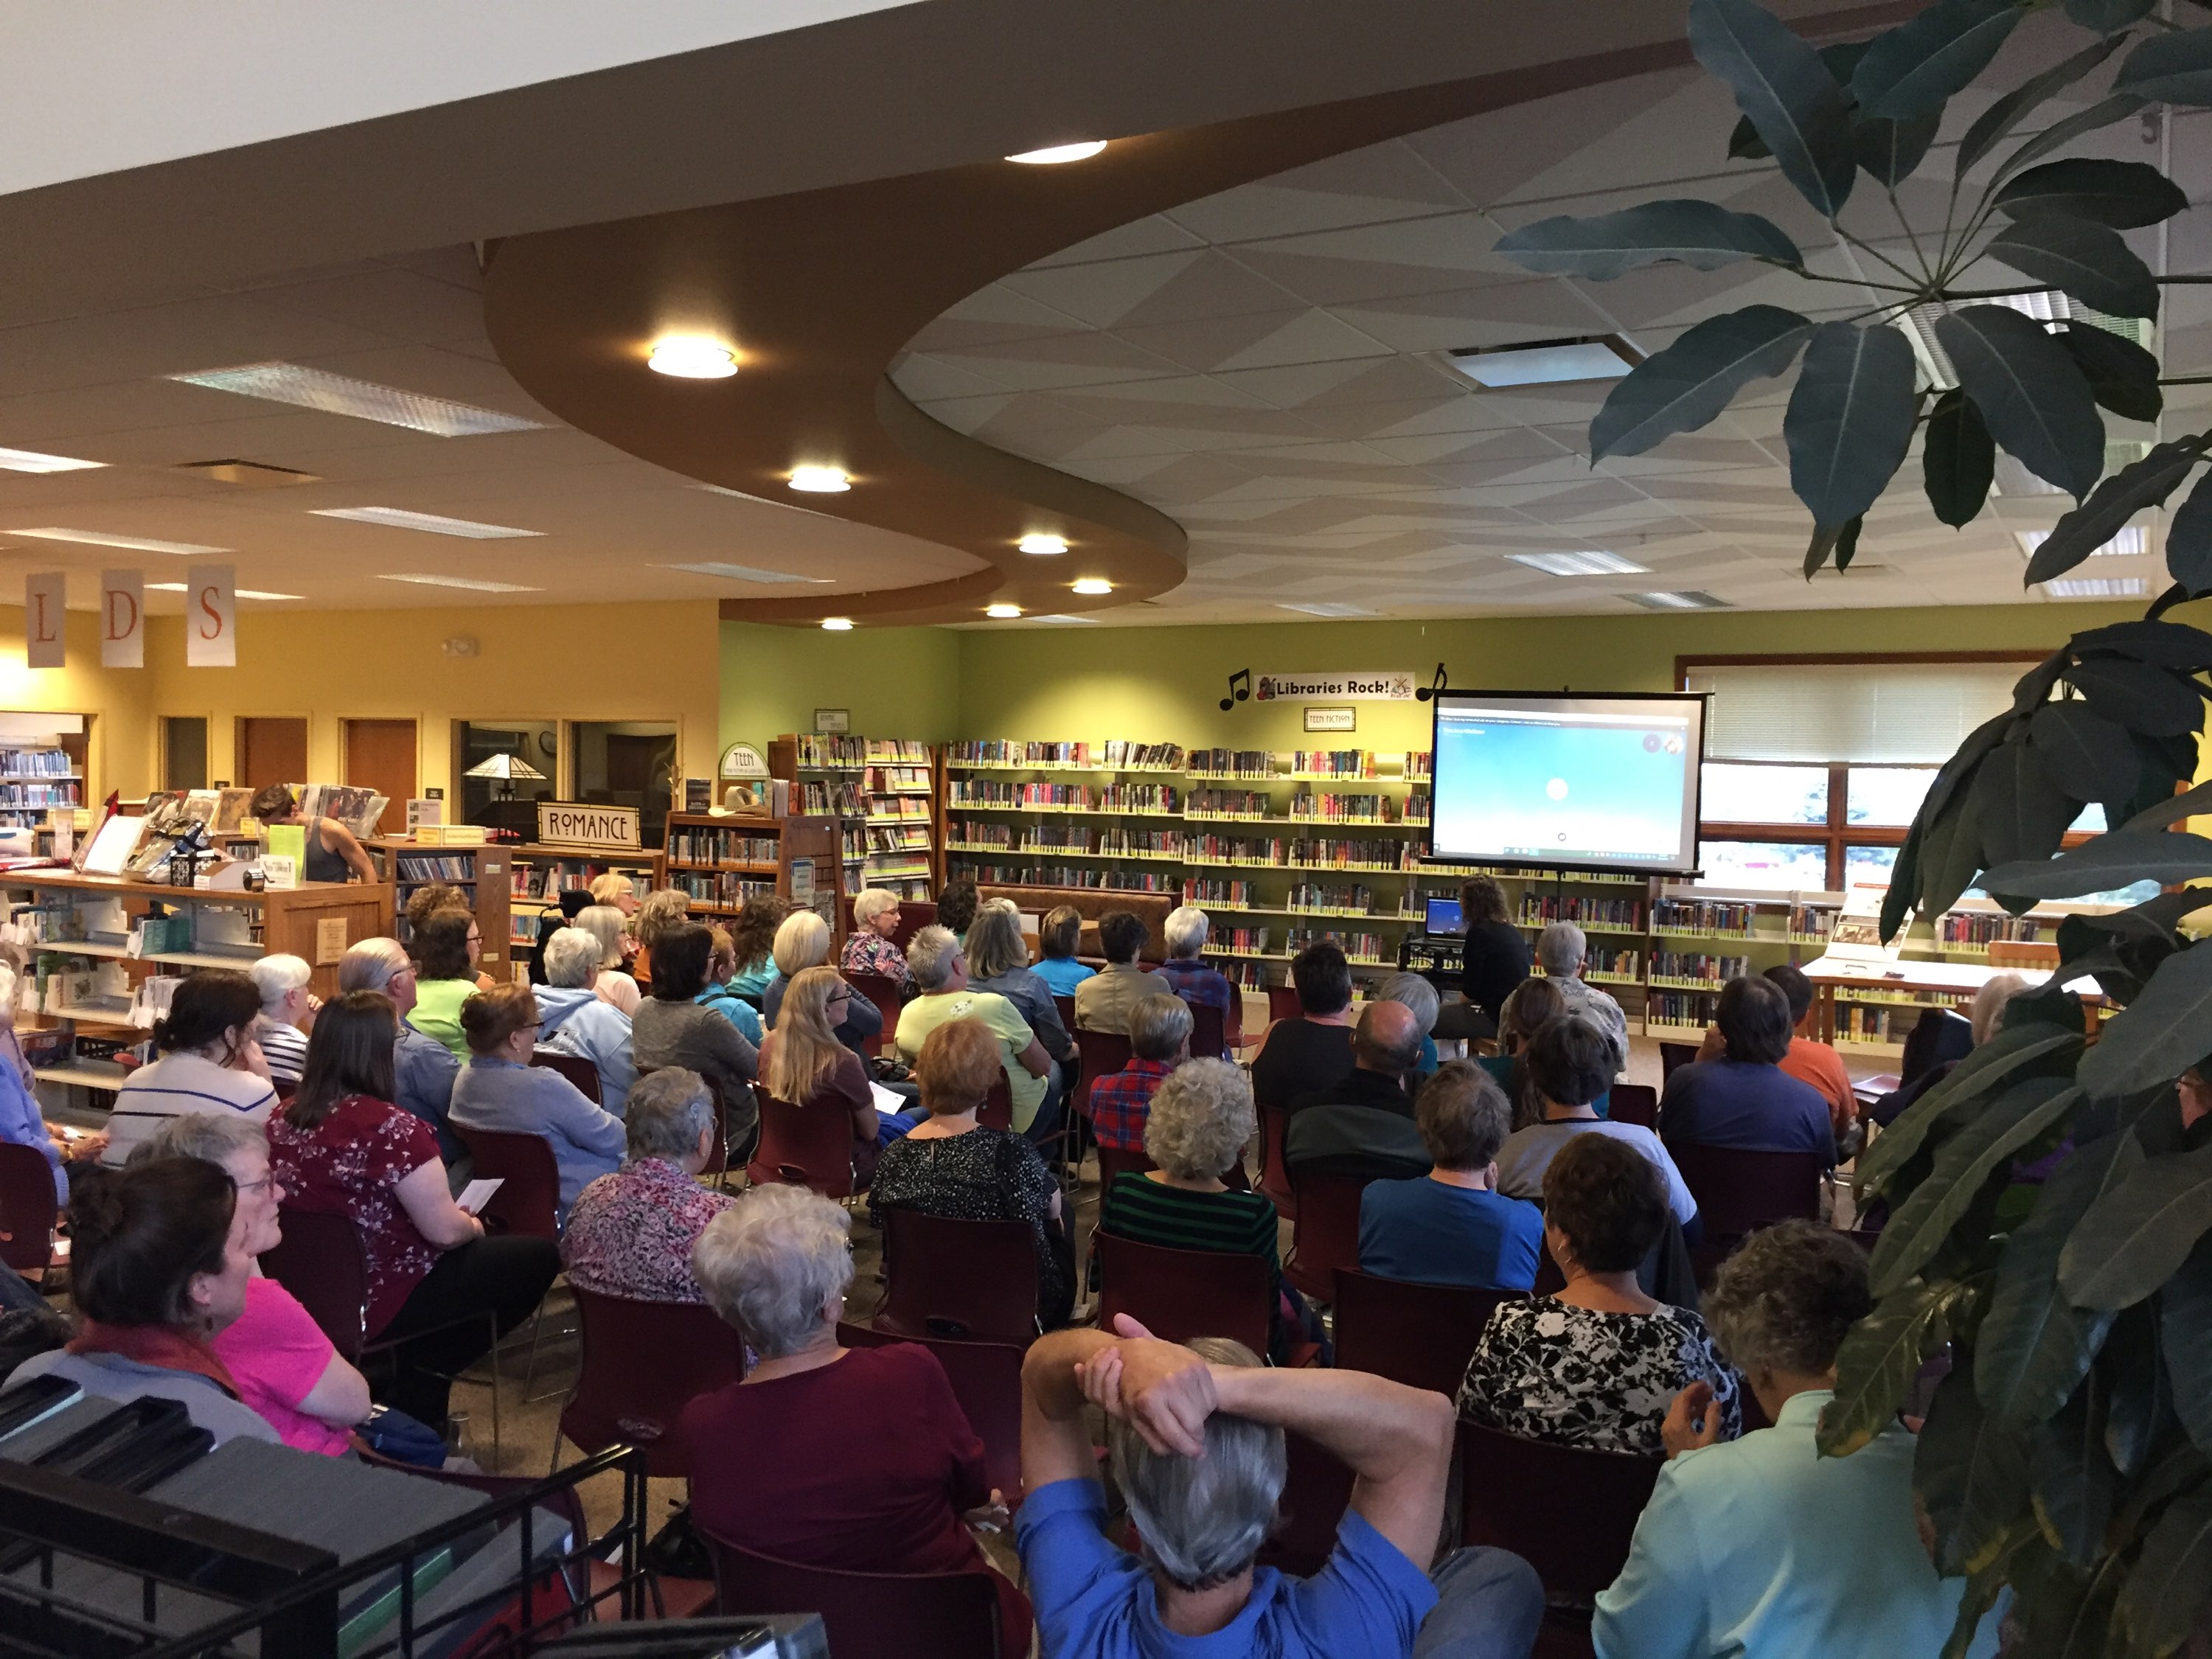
pixel 1421 1335
pixel 1673 1056
pixel 28 1214
pixel 1283 1003
pixel 987 1380
pixel 1112 1160
pixel 1207 1039
pixel 643 1362
pixel 888 998
pixel 1066 1007
pixel 1739 1192
pixel 866 1615
pixel 1326 1232
pixel 998 1112
pixel 1274 1176
pixel 1634 1102
pixel 578 1070
pixel 1104 1053
pixel 528 1202
pixel 1317 1489
pixel 973 1280
pixel 1180 1294
pixel 803 1145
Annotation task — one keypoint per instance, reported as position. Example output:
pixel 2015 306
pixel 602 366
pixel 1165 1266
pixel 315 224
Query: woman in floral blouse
pixel 1597 1365
pixel 631 1233
pixel 868 947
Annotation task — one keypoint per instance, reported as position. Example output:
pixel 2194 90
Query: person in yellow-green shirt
pixel 444 979
pixel 939 969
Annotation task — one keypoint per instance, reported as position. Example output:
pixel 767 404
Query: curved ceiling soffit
pixel 819 292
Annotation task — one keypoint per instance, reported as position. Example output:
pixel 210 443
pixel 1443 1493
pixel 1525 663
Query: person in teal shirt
pixel 1056 941
pixel 1760 1547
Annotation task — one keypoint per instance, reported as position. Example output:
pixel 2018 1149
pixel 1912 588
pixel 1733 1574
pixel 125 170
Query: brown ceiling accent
pixel 820 290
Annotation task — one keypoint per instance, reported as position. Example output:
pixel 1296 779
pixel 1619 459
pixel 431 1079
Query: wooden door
pixel 272 749
pixel 380 754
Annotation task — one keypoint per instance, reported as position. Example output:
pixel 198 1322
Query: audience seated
pixel 956 907
pixel 612 887
pixel 1102 1001
pixel 803 1062
pixel 1762 1546
pixel 721 964
pixel 868 947
pixel 1596 1364
pixel 1421 999
pixel 661 909
pixel 1159 1040
pixel 340 1146
pixel 672 1029
pixel 1494 960
pixel 288 1010
pixel 1196 1445
pixel 1185 969
pixel 753 933
pixel 1533 1005
pixel 1363 1125
pixel 282 1364
pixel 334 852
pixel 21 1122
pixel 1058 935
pixel 1561 951
pixel 858 1460
pixel 422 1068
pixel 998 961
pixel 1744 1100
pixel 939 969
pixel 1565 1062
pixel 631 1233
pixel 1313 1051
pixel 950 1165
pixel 444 945
pixel 157 1268
pixel 209 1062
pixel 1450 1226
pixel 579 1022
pixel 1939 1040
pixel 1810 1062
pixel 500 1090
pixel 802 942
pixel 610 926
pixel 619 991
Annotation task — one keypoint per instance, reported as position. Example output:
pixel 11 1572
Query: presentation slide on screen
pixel 1581 781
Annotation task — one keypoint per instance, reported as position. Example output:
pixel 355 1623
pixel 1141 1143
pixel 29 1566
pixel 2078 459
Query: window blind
pixel 1855 713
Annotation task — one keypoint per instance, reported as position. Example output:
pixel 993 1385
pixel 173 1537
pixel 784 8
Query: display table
pixel 1831 974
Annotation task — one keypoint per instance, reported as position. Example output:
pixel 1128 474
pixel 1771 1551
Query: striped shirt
pixel 1152 1212
pixel 284 1047
pixel 176 1085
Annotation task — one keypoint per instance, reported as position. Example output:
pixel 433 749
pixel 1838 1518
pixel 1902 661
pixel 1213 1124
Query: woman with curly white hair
pixel 869 948
pixel 858 1460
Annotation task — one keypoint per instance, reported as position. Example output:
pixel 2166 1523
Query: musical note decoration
pixel 1240 689
pixel 1425 692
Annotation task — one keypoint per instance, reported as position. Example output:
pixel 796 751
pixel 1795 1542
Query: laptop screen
pixel 1444 917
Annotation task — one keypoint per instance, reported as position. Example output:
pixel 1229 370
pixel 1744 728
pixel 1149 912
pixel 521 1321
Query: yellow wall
pixel 123 699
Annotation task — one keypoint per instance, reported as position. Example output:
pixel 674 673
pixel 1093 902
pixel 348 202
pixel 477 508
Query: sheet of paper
pixel 477 1194
pixel 886 1102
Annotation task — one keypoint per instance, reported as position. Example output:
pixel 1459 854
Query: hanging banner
pixel 210 617
pixel 122 619
pixel 45 604
pixel 1359 685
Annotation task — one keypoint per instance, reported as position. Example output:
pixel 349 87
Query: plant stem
pixel 1864 248
pixel 1927 276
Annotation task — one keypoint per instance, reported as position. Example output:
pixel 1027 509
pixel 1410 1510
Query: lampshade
pixel 504 766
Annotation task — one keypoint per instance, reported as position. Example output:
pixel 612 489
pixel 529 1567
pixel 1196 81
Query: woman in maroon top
pixel 858 1460
pixel 340 1146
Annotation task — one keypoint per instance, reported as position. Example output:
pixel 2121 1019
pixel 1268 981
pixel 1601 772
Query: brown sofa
pixel 1091 903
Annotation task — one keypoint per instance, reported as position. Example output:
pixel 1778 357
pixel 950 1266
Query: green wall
pixel 897 682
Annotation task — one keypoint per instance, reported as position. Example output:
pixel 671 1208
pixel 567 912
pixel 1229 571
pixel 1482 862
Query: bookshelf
pixel 538 875
pixel 883 793
pixel 1104 817
pixel 720 862
pixel 44 760
pixel 481 873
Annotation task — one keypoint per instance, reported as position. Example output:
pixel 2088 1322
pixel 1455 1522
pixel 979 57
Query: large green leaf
pixel 2066 1616
pixel 2166 1594
pixel 2123 195
pixel 1958 459
pixel 1701 235
pixel 2016 1119
pixel 1849 420
pixel 2107 16
pixel 2135 1235
pixel 2013 1052
pixel 2150 702
pixel 1953 856
pixel 2185 1331
pixel 2122 377
pixel 2169 69
pixel 2071 1478
pixel 1890 150
pixel 2002 116
pixel 2139 1411
pixel 1970 1472
pixel 2189 539
pixel 2139 485
pixel 1744 143
pixel 2083 753
pixel 2118 858
pixel 2034 399
pixel 1880 1356
pixel 2019 813
pixel 2020 1543
pixel 2059 134
pixel 2167 644
pixel 2090 262
pixel 1911 70
pixel 1686 385
pixel 1787 92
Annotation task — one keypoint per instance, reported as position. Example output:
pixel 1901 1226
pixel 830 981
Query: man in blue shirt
pixel 1451 1226
pixel 1196 1438
pixel 1746 1100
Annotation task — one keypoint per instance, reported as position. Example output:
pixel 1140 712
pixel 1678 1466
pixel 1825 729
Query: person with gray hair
pixel 1450 1226
pixel 1159 1040
pixel 1363 1127
pixel 855 1459
pixel 1195 1442
pixel 1562 950
pixel 802 941
pixel 940 968
pixel 578 1021
pixel 1761 1546
pixel 868 947
pixel 287 1014
pixel 631 1233
pixel 1986 1014
pixel 1418 995
pixel 1186 930
pixel 424 1069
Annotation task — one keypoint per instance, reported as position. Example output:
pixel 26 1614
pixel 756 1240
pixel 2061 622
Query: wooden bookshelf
pixel 873 787
pixel 720 861
pixel 538 875
pixel 481 872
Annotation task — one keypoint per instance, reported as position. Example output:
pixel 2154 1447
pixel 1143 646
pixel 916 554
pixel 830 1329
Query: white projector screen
pixel 1589 782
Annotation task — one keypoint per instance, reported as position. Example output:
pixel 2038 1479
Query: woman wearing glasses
pixel 499 1089
pixel 802 1062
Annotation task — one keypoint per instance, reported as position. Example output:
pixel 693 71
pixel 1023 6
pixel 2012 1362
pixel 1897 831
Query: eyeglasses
pixel 246 1187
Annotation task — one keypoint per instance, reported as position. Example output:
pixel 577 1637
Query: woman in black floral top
pixel 1598 1364
pixel 950 1165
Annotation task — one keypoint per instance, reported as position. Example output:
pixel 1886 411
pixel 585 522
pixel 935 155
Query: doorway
pixel 272 749
pixel 628 763
pixel 184 751
pixel 381 755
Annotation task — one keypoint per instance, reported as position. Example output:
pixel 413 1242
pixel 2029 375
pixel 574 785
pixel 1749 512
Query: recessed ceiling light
pixel 2131 540
pixel 692 357
pixel 469 582
pixel 743 572
pixel 1687 599
pixel 2098 587
pixel 1057 153
pixel 243 593
pixel 1319 608
pixel 1002 613
pixel 398 517
pixel 1039 543
pixel 1062 616
pixel 1547 362
pixel 820 480
pixel 340 394
pixel 838 624
pixel 1593 562
pixel 29 460
pixel 98 538
pixel 1093 585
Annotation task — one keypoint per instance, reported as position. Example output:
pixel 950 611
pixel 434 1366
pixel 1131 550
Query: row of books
pixel 1232 764
pixel 1318 896
pixel 823 800
pixel 1301 854
pixel 1679 1007
pixel 1360 947
pixel 420 868
pixel 1232 894
pixel 822 751
pixel 1115 754
pixel 1244 941
pixel 1359 809
pixel 1066 796
pixel 1701 917
pixel 1541 910
pixel 37 762
pixel 1228 803
pixel 1689 964
pixel 702 846
pixel 1811 920
pixel 897 838
pixel 728 891
pixel 1616 963
pixel 41 794
pixel 1981 929
pixel 896 780
pixel 1103 877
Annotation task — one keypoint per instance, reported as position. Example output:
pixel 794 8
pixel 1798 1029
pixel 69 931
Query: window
pixel 1763 794
pixel 514 764
pixel 1868 864
pixel 1780 865
pixel 1886 795
pixel 627 763
pixel 184 751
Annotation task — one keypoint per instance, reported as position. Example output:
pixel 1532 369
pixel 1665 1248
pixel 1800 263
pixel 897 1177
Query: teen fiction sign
pixel 573 825
pixel 1377 685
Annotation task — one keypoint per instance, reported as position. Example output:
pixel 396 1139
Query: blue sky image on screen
pixel 1572 787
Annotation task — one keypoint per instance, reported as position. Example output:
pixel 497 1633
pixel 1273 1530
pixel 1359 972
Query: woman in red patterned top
pixel 340 1146
pixel 631 1233
pixel 868 947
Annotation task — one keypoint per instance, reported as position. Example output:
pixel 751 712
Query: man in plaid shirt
pixel 1159 1040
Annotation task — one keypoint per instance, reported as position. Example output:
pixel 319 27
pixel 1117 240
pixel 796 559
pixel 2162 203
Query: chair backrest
pixel 1568 1512
pixel 577 1069
pixel 1104 1053
pixel 1317 1490
pixel 1112 1160
pixel 1274 1173
pixel 1326 1232
pixel 1066 1008
pixel 987 1380
pixel 1421 1335
pixel 997 1111
pixel 1739 1192
pixel 528 1202
pixel 887 997
pixel 643 1362
pixel 1283 1003
pixel 1634 1102
pixel 1180 1294
pixel 971 1279
pixel 1207 1041
pixel 866 1615
pixel 28 1209
pixel 804 1145
pixel 320 1261
pixel 1673 1056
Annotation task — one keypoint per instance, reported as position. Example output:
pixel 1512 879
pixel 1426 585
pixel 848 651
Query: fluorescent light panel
pixel 243 593
pixel 29 460
pixel 1593 562
pixel 743 572
pixel 1061 617
pixel 1684 599
pixel 1544 362
pixel 398 517
pixel 2131 540
pixel 469 582
pixel 340 394
pixel 99 539
pixel 2098 587
pixel 1318 608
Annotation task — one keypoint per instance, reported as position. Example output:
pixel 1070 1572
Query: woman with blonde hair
pixel 805 1064
pixel 607 924
pixel 802 941
pixel 613 887
pixel 657 913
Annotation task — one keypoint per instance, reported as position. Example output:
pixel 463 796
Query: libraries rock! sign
pixel 1380 686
